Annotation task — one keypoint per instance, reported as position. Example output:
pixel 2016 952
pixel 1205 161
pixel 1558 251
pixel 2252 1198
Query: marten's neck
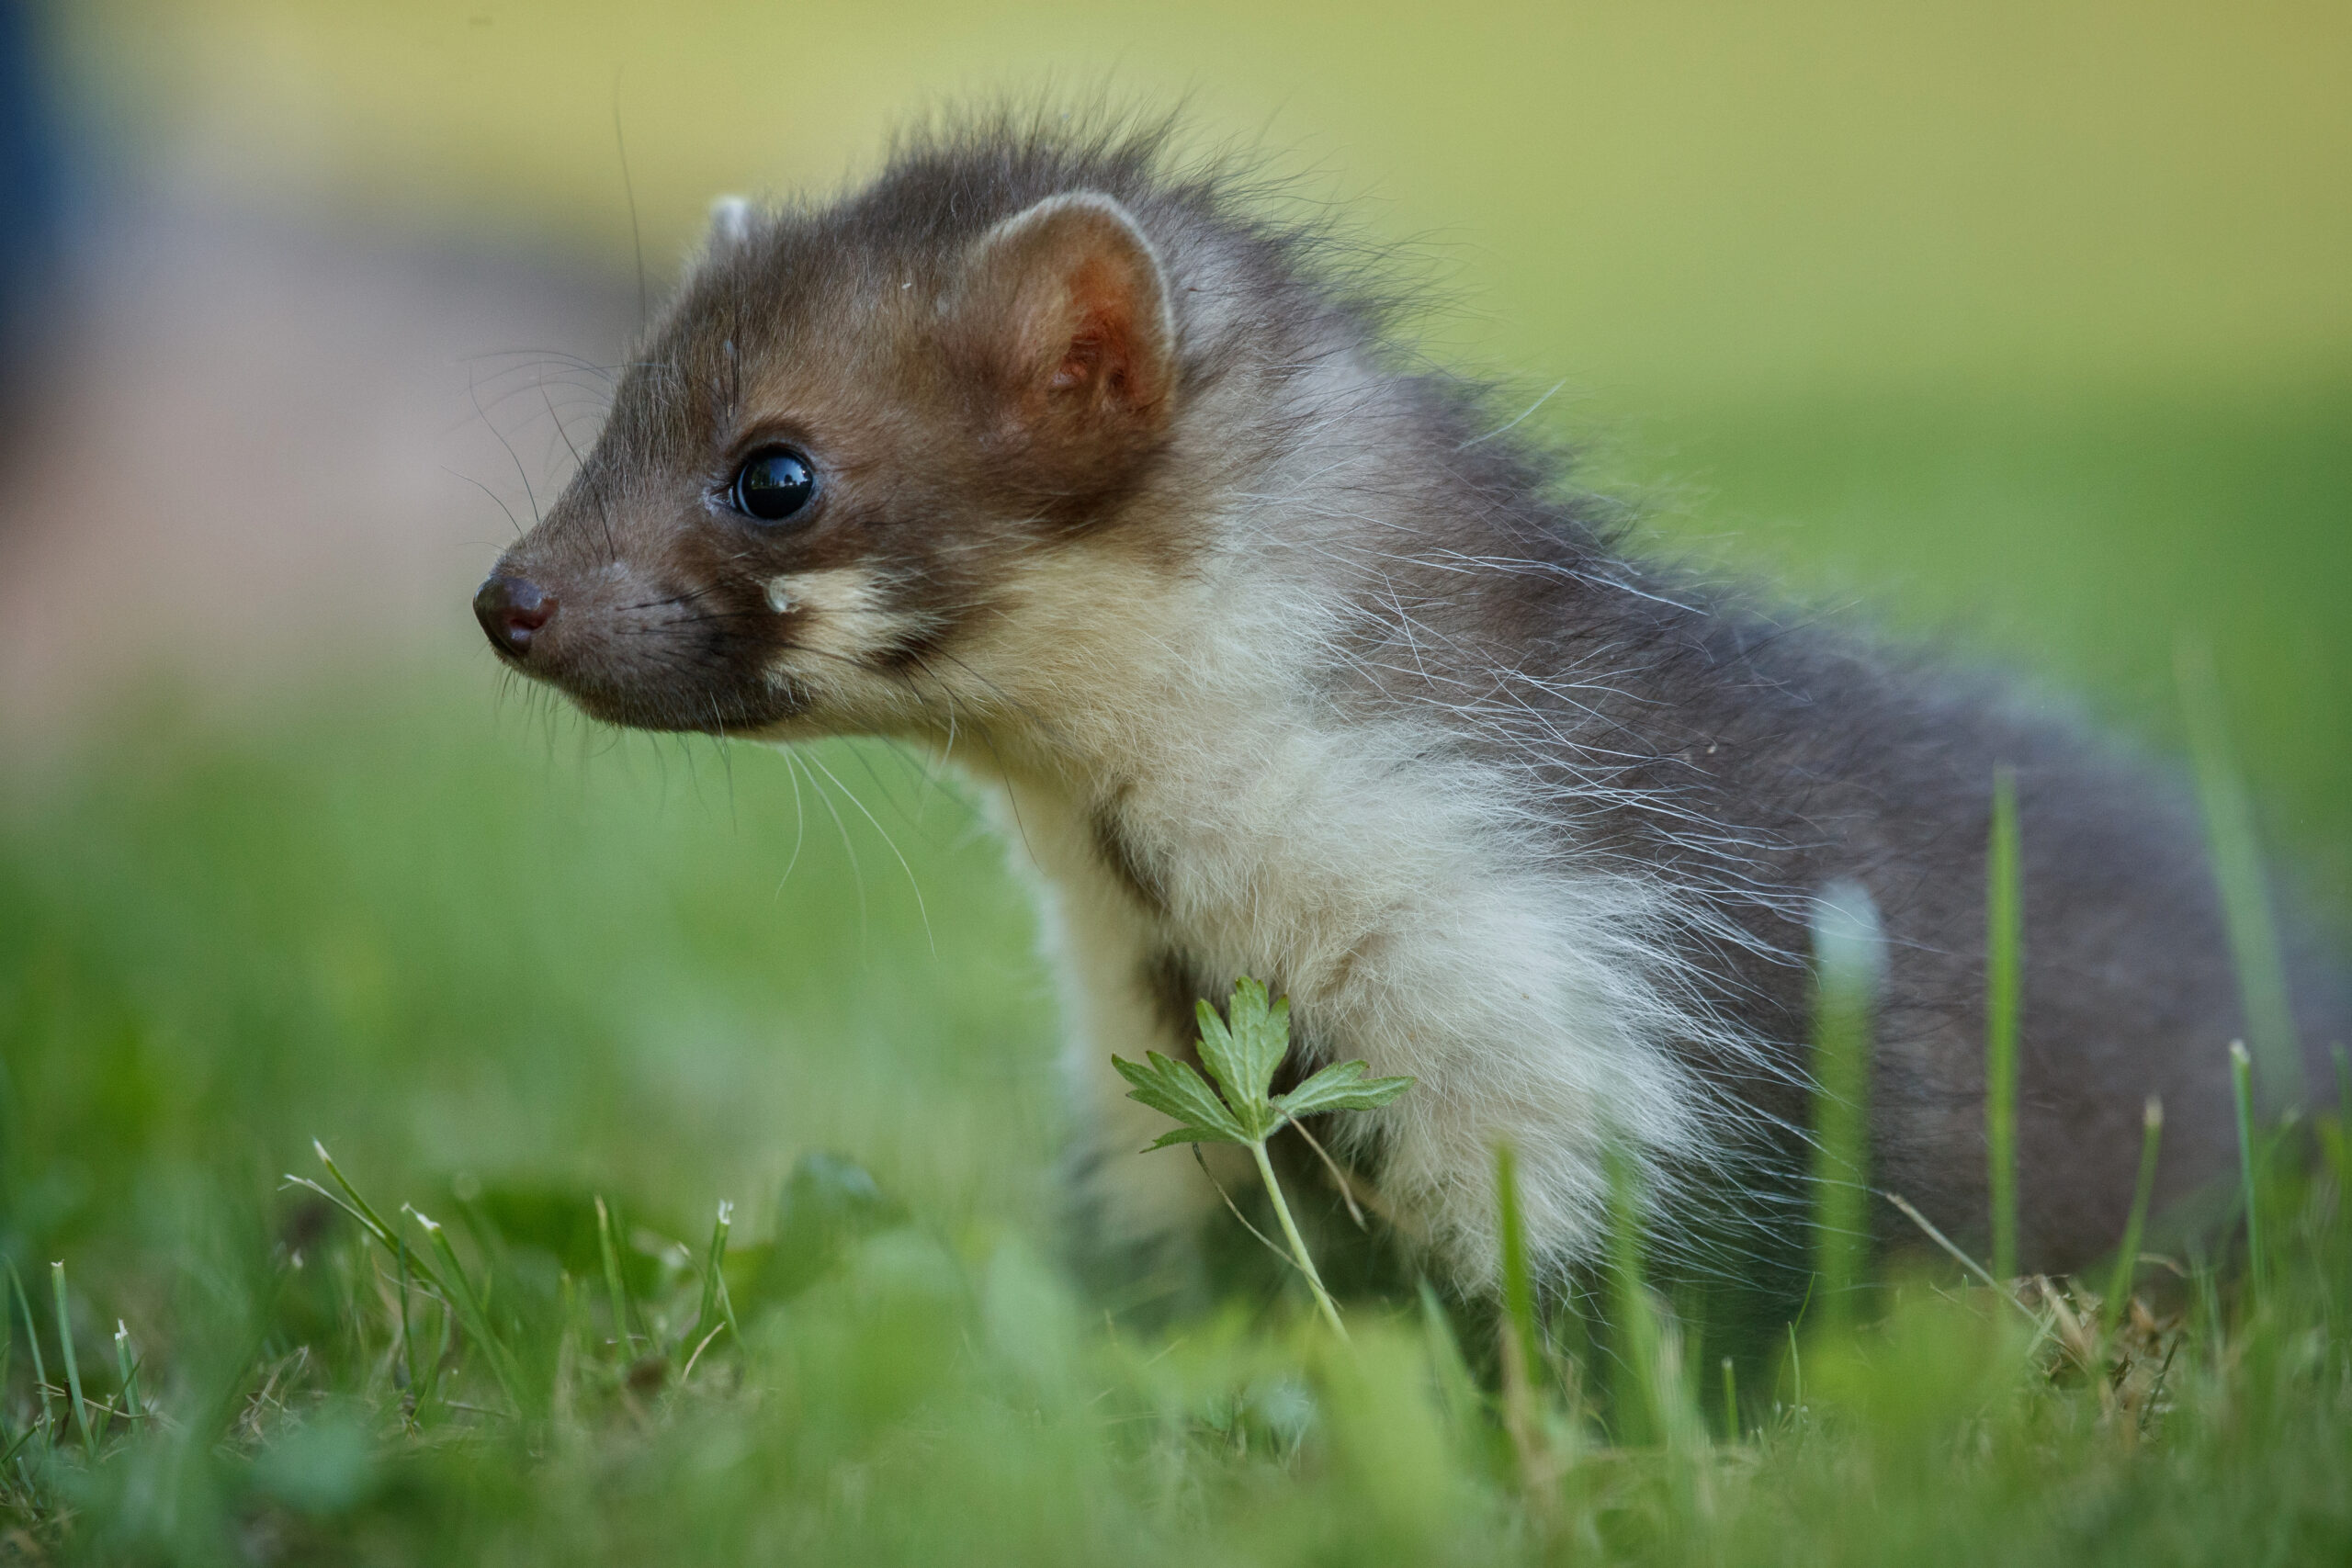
pixel 1216 791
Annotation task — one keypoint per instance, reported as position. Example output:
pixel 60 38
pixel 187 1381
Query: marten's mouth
pixel 688 707
pixel 644 665
pixel 676 690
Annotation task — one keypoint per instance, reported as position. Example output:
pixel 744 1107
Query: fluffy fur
pixel 1286 659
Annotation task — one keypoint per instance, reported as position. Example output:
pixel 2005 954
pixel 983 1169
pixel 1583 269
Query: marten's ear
pixel 1060 322
pixel 730 221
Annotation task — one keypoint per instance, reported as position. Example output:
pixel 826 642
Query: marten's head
pixel 1030 429
pixel 852 452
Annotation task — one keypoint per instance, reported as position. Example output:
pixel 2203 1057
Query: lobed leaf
pixel 1244 1049
pixel 1173 1089
pixel 1340 1087
pixel 1190 1135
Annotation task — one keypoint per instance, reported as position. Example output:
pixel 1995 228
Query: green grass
pixel 566 995
pixel 468 969
pixel 2029 330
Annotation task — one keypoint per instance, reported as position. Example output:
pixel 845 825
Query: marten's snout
pixel 511 610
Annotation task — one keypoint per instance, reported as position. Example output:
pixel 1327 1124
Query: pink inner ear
pixel 1066 311
pixel 1100 351
pixel 1080 362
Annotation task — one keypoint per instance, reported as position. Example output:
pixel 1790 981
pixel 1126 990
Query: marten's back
pixel 1821 759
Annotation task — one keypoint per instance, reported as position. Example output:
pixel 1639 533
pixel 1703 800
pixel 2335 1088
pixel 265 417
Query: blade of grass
pixel 571 1334
pixel 1847 964
pixel 1520 1345
pixel 17 1447
pixel 32 1340
pixel 716 1304
pixel 73 1364
pixel 2119 1286
pixel 2003 974
pixel 615 1288
pixel 2236 853
pixel 408 1338
pixel 2205 1318
pixel 1645 1359
pixel 2241 1094
pixel 688 1369
pixel 1731 1403
pixel 445 1329
pixel 352 1204
pixel 1983 1275
pixel 1796 1377
pixel 1633 1330
pixel 356 1205
pixel 1523 1422
pixel 1457 1388
pixel 468 1305
pixel 127 1369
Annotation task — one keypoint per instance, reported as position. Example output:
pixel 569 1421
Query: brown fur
pixel 1115 472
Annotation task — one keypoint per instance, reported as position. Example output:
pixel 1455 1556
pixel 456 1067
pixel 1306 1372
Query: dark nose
pixel 511 610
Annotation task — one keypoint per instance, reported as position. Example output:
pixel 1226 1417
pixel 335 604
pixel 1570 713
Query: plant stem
pixel 1297 1247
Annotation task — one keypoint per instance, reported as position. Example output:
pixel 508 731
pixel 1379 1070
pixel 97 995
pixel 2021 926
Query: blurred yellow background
pixel 1665 202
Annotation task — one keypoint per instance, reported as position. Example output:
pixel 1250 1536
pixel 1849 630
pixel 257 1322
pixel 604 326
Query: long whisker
pixel 799 819
pixel 856 870
pixel 500 501
pixel 512 455
pixel 892 844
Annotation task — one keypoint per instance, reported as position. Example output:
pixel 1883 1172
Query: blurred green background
pixel 2023 327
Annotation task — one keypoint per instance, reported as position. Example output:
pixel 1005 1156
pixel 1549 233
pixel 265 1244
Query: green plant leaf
pixel 1244 1049
pixel 1173 1089
pixel 1340 1087
pixel 1190 1135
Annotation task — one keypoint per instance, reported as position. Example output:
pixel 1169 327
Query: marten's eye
pixel 773 485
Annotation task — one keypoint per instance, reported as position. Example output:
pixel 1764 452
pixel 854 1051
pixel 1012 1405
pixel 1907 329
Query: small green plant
pixel 1242 1052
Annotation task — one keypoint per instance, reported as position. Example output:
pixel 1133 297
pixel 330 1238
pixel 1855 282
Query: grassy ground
pixel 501 968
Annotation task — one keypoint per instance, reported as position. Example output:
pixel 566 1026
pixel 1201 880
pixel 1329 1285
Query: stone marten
pixel 1051 455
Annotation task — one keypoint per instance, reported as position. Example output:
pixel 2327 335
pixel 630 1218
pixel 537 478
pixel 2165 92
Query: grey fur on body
pixel 1284 659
